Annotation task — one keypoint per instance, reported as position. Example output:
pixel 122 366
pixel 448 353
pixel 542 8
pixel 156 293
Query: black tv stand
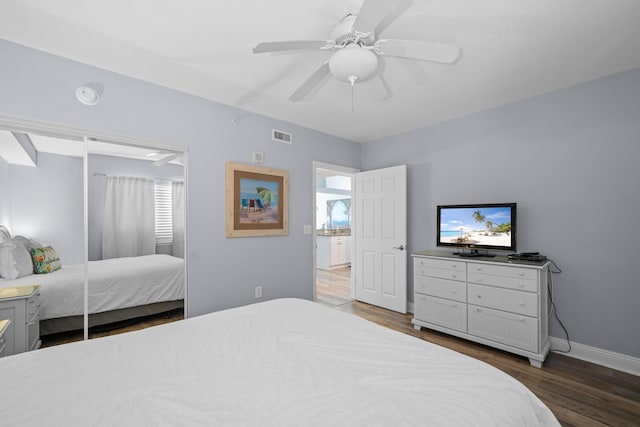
pixel 473 254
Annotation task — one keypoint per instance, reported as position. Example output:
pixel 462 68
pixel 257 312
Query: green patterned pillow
pixel 45 260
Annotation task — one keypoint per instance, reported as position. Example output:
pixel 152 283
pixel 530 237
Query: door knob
pixel 401 247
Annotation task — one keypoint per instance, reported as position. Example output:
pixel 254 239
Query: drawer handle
pixel 453 266
pixel 455 306
pixel 521 303
pixel 521 319
pixel 479 280
pixel 520 273
pixel 454 276
pixel 521 285
pixel 479 296
pixel 454 292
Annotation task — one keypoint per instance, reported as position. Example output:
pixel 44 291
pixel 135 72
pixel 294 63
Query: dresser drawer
pixel 510 271
pixel 443 264
pixel 503 281
pixel 505 328
pixel 503 299
pixel 443 288
pixel 442 312
pixel 442 274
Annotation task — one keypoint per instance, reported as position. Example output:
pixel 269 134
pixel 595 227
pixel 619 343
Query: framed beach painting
pixel 257 201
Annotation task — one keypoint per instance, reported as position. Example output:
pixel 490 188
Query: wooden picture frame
pixel 256 201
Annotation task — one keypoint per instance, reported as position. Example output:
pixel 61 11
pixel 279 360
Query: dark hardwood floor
pixel 579 393
pixel 113 329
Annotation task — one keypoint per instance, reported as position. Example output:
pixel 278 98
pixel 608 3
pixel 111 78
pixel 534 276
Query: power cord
pixel 550 273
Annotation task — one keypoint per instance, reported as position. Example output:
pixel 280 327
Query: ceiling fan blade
pixel 394 13
pixel 310 83
pixel 417 49
pixel 291 45
pixel 378 88
pixel 371 13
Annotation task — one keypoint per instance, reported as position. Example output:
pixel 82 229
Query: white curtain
pixel 129 218
pixel 177 207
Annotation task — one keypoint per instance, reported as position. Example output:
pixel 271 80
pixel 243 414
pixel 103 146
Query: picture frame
pixel 256 201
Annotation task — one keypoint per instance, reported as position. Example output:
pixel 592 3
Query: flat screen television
pixel 489 226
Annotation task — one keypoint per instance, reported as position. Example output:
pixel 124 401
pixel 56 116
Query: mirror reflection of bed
pixel 135 235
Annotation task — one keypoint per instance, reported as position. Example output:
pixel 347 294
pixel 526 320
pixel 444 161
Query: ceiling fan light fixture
pixel 353 63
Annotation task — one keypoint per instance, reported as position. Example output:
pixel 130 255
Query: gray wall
pixel 115 166
pixel 222 272
pixel 570 161
pixel 47 204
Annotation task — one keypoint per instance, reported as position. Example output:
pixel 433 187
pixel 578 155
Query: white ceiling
pixel 511 50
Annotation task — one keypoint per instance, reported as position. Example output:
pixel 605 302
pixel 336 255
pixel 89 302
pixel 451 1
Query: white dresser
pixel 21 305
pixel 487 300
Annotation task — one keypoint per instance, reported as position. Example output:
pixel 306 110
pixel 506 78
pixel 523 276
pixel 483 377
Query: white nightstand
pixel 21 305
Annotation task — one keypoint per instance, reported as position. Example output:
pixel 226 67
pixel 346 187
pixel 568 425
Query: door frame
pixel 346 170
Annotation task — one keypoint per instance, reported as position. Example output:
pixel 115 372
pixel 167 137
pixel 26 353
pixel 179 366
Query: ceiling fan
pixel 357 48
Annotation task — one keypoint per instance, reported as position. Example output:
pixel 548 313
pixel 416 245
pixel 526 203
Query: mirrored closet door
pixel 42 207
pixel 102 225
pixel 136 239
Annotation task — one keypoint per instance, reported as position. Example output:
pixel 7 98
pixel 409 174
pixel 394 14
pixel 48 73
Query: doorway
pixel 333 222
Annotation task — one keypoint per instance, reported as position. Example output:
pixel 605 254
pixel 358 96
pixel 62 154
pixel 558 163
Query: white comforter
pixel 113 284
pixel 278 363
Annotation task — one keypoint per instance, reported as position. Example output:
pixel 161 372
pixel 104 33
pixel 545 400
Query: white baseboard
pixel 617 361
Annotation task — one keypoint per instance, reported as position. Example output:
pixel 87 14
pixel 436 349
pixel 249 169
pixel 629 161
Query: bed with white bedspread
pixel 284 362
pixel 114 285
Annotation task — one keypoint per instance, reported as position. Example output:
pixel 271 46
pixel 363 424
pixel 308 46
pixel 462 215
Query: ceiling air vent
pixel 278 135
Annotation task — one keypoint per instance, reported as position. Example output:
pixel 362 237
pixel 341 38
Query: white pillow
pixel 4 233
pixel 15 260
pixel 28 243
pixel 7 265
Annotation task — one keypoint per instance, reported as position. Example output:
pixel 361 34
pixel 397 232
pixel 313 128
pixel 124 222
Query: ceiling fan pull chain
pixel 352 80
pixel 352 85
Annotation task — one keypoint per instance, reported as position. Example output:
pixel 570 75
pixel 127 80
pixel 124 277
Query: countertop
pixel 334 232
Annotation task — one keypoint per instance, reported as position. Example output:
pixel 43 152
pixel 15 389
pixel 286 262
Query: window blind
pixel 164 218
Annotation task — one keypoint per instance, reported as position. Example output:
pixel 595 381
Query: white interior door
pixel 381 237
